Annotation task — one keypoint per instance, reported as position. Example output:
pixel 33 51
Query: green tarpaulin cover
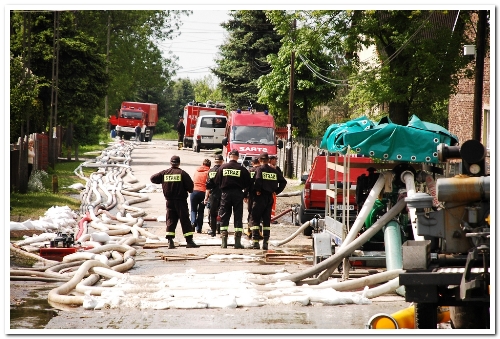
pixel 416 142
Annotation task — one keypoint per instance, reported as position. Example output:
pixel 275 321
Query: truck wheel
pixel 426 316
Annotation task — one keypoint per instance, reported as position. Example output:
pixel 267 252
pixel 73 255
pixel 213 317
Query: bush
pixel 35 183
pixel 162 126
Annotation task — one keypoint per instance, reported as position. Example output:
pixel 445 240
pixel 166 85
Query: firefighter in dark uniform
pixel 255 163
pixel 267 181
pixel 233 180
pixel 176 184
pixel 181 129
pixel 212 196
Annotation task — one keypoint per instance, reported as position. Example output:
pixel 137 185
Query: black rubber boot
pixel 256 245
pixel 237 240
pixel 171 244
pixel 224 239
pixel 190 243
pixel 265 243
pixel 213 229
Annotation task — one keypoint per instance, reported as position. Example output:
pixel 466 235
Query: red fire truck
pixel 251 133
pixel 193 110
pixel 132 113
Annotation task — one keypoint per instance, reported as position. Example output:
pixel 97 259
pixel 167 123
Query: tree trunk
pixel 398 113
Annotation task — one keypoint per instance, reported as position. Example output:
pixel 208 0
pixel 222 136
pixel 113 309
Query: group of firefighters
pixel 228 186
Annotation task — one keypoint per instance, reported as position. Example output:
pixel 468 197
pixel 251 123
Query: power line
pixel 320 76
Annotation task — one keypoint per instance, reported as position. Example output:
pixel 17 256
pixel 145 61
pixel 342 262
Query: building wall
pixel 461 105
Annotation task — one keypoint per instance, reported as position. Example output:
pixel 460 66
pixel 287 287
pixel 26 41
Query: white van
pixel 209 132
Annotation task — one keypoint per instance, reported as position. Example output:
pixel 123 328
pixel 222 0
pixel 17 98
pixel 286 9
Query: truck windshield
pixel 253 135
pixel 131 115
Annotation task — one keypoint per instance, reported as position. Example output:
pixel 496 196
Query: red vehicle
pixel 193 110
pixel 251 133
pixel 132 113
pixel 314 193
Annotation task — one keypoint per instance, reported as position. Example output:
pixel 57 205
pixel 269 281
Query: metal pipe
pixel 365 210
pixel 393 248
pixel 409 180
pixel 463 189
pixel 281 214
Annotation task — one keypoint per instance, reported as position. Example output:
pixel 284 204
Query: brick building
pixel 461 105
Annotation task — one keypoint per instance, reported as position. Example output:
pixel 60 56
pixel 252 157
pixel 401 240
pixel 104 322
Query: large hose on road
pixel 59 294
pixel 291 237
pixel 336 259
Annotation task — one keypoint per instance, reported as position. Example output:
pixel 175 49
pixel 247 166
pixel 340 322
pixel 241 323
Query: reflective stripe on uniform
pixel 269 176
pixel 171 177
pixel 170 233
pixel 231 172
pixel 256 227
pixel 188 234
pixel 224 228
pixel 238 229
pixel 266 228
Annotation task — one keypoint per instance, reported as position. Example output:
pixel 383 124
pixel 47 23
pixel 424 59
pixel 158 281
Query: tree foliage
pixel 205 89
pixel 178 94
pixel 25 104
pixel 131 67
pixel 82 81
pixel 417 63
pixel 243 57
pixel 316 68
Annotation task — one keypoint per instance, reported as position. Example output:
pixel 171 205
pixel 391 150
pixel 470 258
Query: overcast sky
pixel 197 46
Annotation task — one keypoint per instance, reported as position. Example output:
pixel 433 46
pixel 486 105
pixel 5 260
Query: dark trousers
pixel 180 137
pixel 214 200
pixel 261 211
pixel 249 208
pixel 30 169
pixel 178 210
pixel 231 201
pixel 197 209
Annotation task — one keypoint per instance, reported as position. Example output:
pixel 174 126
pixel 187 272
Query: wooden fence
pixel 304 151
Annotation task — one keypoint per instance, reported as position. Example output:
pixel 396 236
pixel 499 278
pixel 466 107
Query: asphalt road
pixel 150 158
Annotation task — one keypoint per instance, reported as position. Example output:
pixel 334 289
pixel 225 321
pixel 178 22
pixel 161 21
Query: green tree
pixel 82 81
pixel 178 94
pixel 137 68
pixel 316 69
pixel 417 63
pixel 242 58
pixel 205 90
pixel 25 104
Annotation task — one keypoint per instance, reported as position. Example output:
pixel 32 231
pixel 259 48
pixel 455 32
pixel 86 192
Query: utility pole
pixel 52 161
pixel 289 149
pixel 479 76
